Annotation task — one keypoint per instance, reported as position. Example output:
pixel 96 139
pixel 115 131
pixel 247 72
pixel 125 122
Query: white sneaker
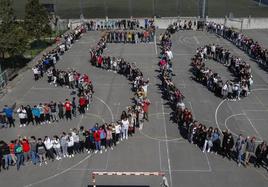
pixel 72 155
pixel 101 152
pixel 105 150
pixel 88 152
pixel 46 162
pixel 40 164
pixel 96 151
pixel 112 148
pixel 20 125
pixel 63 156
pixel 24 125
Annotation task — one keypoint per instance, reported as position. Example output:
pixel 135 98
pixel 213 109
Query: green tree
pixel 7 21
pixel 6 16
pixel 13 40
pixel 36 20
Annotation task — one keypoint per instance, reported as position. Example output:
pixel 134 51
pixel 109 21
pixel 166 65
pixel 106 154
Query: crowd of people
pixel 230 89
pixel 245 43
pixel 78 141
pixel 123 24
pixel 244 150
pixel 50 58
pixel 134 37
pixel 132 73
pixel 45 113
pixel 38 151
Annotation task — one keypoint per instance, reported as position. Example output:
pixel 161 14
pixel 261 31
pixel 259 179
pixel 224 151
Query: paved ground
pixel 158 147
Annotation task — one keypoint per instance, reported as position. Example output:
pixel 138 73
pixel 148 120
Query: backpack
pixel 18 149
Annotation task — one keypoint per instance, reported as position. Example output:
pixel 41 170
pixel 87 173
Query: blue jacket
pixel 8 112
pixel 36 112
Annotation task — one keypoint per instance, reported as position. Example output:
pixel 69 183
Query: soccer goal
pixel 164 182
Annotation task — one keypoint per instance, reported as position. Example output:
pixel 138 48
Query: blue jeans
pixel 33 157
pixel 20 160
pixel 7 159
pixel 239 156
pixel 98 147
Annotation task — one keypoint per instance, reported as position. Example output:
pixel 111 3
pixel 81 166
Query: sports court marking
pixel 167 149
pixel 185 170
pixel 96 169
pixel 165 139
pixel 58 174
pixel 254 128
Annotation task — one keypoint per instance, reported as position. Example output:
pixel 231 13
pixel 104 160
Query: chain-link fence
pixel 3 80
pixel 70 9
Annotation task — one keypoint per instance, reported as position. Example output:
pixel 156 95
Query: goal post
pixel 157 174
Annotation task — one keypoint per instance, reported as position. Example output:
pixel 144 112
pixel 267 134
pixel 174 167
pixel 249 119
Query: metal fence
pixel 3 80
pixel 70 9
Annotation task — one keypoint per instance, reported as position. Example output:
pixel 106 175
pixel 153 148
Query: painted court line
pixel 167 149
pixel 58 174
pixel 255 129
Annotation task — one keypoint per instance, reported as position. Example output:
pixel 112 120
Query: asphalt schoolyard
pixel 159 146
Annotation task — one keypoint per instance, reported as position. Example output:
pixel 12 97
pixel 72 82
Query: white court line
pixel 250 122
pixel 234 115
pixel 190 170
pixel 196 40
pixel 209 165
pixel 160 159
pixel 58 174
pixel 216 115
pixel 108 107
pixel 165 128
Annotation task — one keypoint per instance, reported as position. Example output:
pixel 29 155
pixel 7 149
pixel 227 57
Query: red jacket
pixel 82 101
pixel 25 146
pixel 100 60
pixel 97 135
pixel 68 106
pixel 146 106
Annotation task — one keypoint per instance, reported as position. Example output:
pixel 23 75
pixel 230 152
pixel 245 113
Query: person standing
pixel 64 144
pixel 5 154
pixel 261 153
pixel 239 148
pixel 74 107
pixel 49 148
pixel 22 116
pixel 56 146
pixel 36 114
pixel 33 154
pixel 250 149
pixel 19 154
pixel 227 144
pixel 8 111
pixel 68 109
pixel 145 107
pixel 97 141
pixel 61 110
pixel 53 109
pixel 26 149
pixel 41 151
pixel 30 118
pixel 125 126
